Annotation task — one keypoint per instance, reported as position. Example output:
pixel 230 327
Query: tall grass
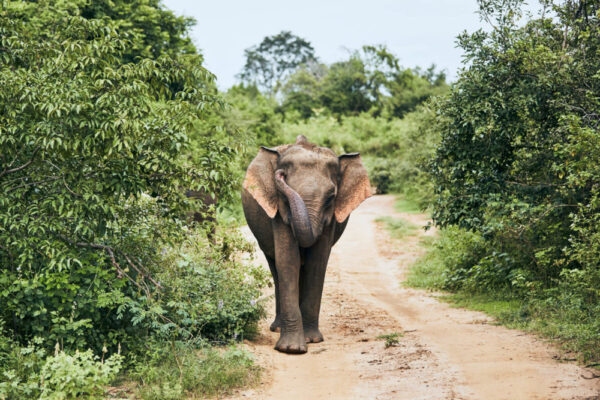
pixel 397 227
pixel 183 373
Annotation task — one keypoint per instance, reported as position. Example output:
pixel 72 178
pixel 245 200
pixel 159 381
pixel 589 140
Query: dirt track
pixel 445 353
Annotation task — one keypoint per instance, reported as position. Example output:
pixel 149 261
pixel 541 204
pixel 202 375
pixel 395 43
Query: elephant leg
pixel 276 325
pixel 287 262
pixel 311 287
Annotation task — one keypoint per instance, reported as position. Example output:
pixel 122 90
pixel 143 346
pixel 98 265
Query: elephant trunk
pixel 300 220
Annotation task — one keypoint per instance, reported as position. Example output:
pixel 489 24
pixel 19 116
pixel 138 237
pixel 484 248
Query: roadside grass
pixel 185 373
pixel 397 227
pixel 577 336
pixel 556 315
pixel 506 309
pixel 428 271
pixel 406 205
pixel 567 324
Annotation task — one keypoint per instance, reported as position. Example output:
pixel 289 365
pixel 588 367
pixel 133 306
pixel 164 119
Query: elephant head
pixel 308 185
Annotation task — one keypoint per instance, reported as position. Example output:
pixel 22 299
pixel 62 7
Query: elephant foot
pixel 313 335
pixel 276 325
pixel 292 343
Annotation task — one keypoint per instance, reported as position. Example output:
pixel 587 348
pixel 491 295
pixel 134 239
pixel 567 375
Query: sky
pixel 420 32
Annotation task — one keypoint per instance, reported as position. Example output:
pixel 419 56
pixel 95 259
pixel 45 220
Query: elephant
pixel 297 199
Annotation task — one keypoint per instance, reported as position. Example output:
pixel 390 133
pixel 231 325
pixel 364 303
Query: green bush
pixel 96 154
pixel 518 165
pixel 384 173
pixel 91 151
pixel 518 159
pixel 208 293
pixel 77 376
pixel 107 117
pixel 464 261
pixel 208 297
pixel 569 312
pixel 28 373
pixel 20 368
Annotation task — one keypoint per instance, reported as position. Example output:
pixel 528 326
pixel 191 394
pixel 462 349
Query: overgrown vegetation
pixel 515 174
pixel 107 117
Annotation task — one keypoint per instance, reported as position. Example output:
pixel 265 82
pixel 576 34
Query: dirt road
pixel 444 353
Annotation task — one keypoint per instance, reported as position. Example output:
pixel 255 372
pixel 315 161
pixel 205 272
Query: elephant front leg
pixel 287 262
pixel 311 287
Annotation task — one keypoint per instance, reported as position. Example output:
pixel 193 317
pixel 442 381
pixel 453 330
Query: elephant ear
pixel 354 186
pixel 260 180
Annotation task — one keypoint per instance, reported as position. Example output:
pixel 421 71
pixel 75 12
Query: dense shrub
pixel 29 373
pixel 101 133
pixel 518 160
pixel 209 294
pixel 77 376
pixel 518 166
pixel 569 312
pixel 207 298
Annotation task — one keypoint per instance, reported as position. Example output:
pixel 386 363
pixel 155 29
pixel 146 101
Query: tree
pixel 302 89
pixel 396 90
pixel 157 31
pixel 370 80
pixel 274 59
pixel 408 88
pixel 518 161
pixel 254 115
pixel 345 88
pixel 93 147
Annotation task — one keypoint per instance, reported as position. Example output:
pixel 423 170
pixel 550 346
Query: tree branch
pixel 546 212
pixel 111 253
pixel 51 179
pixel 143 274
pixel 16 169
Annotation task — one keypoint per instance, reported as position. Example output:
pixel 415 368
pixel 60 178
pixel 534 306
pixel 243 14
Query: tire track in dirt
pixel 445 353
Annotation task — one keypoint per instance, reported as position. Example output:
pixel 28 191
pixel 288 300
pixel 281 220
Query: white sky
pixel 419 32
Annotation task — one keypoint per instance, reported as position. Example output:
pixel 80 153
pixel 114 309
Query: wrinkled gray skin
pixel 296 200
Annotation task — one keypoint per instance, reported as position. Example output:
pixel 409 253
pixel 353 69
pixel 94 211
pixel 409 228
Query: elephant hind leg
pixel 276 325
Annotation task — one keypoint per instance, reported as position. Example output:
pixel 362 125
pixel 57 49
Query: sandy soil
pixel 444 353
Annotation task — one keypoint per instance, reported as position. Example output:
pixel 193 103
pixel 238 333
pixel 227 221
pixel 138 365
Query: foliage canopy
pixel 97 131
pixel 518 161
pixel 275 58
